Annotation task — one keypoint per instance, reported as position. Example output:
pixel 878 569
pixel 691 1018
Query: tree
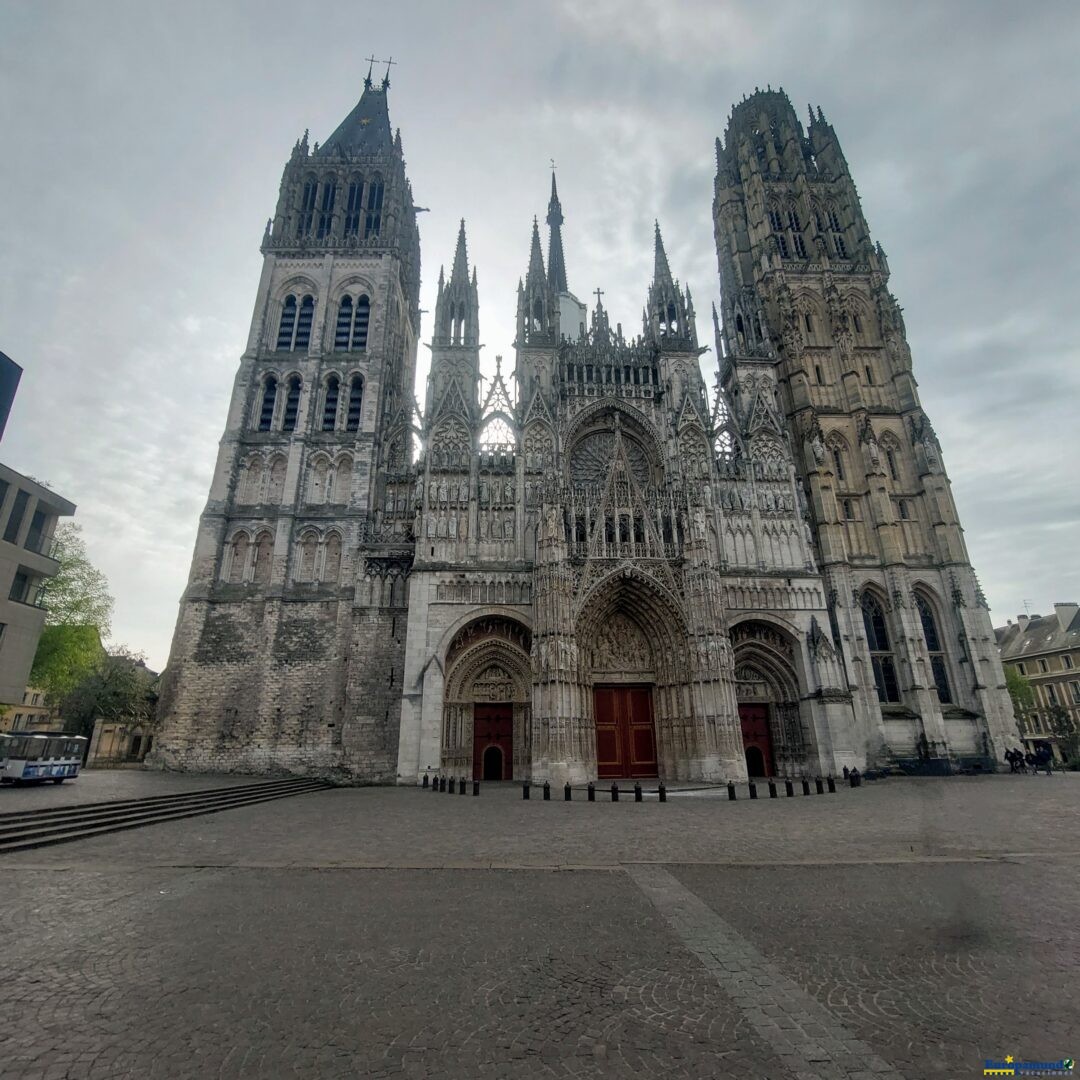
pixel 78 614
pixel 1063 726
pixel 118 687
pixel 79 593
pixel 1023 697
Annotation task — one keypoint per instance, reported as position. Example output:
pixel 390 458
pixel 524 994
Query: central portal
pixel 493 742
pixel 625 738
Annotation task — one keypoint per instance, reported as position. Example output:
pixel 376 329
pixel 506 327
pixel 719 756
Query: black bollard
pixel 772 789
pixel 525 789
pixel 476 787
pixel 789 789
pixel 614 791
pixel 425 783
pixel 442 783
pixel 662 792
pixel 637 793
pixel 753 790
pixel 434 783
pixel 855 779
pixel 730 791
pixel 592 792
pixel 547 791
pixel 831 784
pixel 847 772
pixel 567 793
pixel 805 786
pixel 819 786
pixel 461 785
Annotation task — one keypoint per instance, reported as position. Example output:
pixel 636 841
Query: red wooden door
pixel 625 738
pixel 757 742
pixel 493 726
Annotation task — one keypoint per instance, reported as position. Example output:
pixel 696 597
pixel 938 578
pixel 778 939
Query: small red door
pixel 493 730
pixel 757 742
pixel 625 739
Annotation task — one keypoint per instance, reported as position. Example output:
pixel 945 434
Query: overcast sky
pixel 144 143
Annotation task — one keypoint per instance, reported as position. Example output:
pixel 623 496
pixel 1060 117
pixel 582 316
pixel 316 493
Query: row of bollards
pixel 820 786
pixel 439 783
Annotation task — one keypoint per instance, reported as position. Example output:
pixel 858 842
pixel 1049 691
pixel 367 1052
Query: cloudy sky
pixel 144 142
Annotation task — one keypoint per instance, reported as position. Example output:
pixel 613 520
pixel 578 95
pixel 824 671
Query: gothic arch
pixel 640 426
pixel 354 284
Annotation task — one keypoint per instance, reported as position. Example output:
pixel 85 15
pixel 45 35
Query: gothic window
pixel 360 323
pixel 841 247
pixel 869 376
pixel 307 207
pixel 933 647
pixel 330 403
pixel 320 472
pixel 353 206
pixel 800 245
pixel 292 404
pixel 857 321
pixel 849 510
pixel 287 325
pixel 838 463
pixel 342 480
pixel 834 221
pixel 326 208
pixel 269 399
pixel 795 225
pixel 373 220
pixel 264 550
pixel 306 568
pixel 776 223
pixel 343 327
pixel 303 323
pixel 238 558
pixel 808 322
pixel 275 486
pixel 905 514
pixel 250 481
pixel 818 374
pixel 890 459
pixel 356 403
pixel 881 658
pixel 331 570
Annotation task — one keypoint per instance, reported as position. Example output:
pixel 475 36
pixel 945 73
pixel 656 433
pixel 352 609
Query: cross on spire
pixel 599 293
pixel 386 78
pixel 371 64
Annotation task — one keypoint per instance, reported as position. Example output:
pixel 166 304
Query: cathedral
pixel 587 567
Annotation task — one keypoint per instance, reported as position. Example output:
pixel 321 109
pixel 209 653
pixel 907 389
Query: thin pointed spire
pixel 536 256
pixel 556 260
pixel 661 271
pixel 460 273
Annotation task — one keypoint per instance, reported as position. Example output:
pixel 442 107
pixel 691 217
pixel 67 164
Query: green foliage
pixel 65 656
pixel 79 593
pixel 117 687
pixel 1023 697
pixel 1062 725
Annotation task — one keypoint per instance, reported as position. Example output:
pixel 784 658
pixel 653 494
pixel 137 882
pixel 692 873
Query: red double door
pixel 757 742
pixel 493 742
pixel 625 738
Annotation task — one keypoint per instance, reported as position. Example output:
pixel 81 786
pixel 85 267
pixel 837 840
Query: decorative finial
pixel 386 77
pixel 371 64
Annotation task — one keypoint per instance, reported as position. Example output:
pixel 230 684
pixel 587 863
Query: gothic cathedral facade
pixel 586 568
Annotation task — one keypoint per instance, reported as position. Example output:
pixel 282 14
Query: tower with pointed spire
pixel 587 568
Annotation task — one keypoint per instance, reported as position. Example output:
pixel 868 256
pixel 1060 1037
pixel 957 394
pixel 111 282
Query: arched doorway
pixel 494 764
pixel 755 762
pixel 486 703
pixel 767 689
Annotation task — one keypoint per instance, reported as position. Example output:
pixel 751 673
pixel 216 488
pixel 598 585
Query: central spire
pixel 556 262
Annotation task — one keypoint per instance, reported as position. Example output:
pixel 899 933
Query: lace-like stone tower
pixel 806 300
pixel 587 571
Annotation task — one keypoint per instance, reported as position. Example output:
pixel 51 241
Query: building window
pixel 266 412
pixel 344 323
pixel 849 511
pixel 838 463
pixel 303 323
pixel 287 324
pixel 18 510
pixel 841 247
pixel 877 641
pixel 353 207
pixel 264 550
pixel 904 514
pixel 330 404
pixel 36 536
pixel 1051 695
pixel 817 371
pixel 1066 661
pixel 360 323
pixel 890 458
pixel 869 376
pixel 356 403
pixel 933 647
pixel 1043 666
pixel 1021 669
pixel 292 404
pixel 1075 688
pixel 326 208
pixel 373 220
pixel 307 207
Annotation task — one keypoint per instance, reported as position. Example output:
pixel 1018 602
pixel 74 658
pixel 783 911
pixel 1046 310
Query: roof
pixel 366 130
pixel 1042 634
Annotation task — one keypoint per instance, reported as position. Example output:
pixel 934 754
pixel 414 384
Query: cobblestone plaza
pixel 911 928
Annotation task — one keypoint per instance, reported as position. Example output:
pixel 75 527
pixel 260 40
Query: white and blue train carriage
pixel 34 757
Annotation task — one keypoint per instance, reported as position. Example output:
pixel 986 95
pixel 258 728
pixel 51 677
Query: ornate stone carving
pixel 620 646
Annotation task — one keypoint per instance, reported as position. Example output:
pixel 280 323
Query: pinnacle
pixel 661 271
pixel 460 272
pixel 536 256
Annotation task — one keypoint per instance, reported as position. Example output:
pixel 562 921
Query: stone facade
pixel 583 569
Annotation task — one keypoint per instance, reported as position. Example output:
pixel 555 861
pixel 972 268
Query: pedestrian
pixel 1046 759
pixel 1010 760
pixel 1032 762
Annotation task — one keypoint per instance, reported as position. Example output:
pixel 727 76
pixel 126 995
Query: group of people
pixel 1032 761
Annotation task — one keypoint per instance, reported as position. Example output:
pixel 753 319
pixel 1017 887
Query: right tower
pixel 805 290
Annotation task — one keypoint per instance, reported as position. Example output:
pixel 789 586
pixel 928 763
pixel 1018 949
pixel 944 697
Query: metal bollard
pixel 525 789
pixel 637 793
pixel 614 791
pixel 855 779
pixel 476 787
pixel 753 790
pixel 425 783
pixel 592 792
pixel 662 792
pixel 547 791
pixel 805 786
pixel 442 783
pixel 819 786
pixel 567 793
pixel 772 789
pixel 731 791
pixel 461 785
pixel 434 783
pixel 831 785
pixel 789 789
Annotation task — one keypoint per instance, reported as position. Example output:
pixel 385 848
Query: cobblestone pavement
pixel 904 930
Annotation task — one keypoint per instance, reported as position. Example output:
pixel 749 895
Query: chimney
pixel 1065 614
pixel 1022 621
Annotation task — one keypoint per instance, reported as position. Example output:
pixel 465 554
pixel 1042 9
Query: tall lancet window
pixel 354 206
pixel 303 323
pixel 330 403
pixel 307 207
pixel 343 327
pixel 287 326
pixel 269 400
pixel 373 219
pixel 360 322
pixel 881 657
pixel 933 647
pixel 356 403
pixel 326 208
pixel 292 404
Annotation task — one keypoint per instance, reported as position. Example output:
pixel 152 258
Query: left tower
pixel 289 646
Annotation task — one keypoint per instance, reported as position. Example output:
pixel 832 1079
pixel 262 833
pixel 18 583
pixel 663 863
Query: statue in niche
pixel 441 532
pixel 453 526
pixel 483 491
pixel 508 529
pixel 620 646
pixel 463 491
pixel 442 492
pixel 431 526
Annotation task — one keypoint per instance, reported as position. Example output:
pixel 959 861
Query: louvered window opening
pixel 330 404
pixel 356 404
pixel 292 405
